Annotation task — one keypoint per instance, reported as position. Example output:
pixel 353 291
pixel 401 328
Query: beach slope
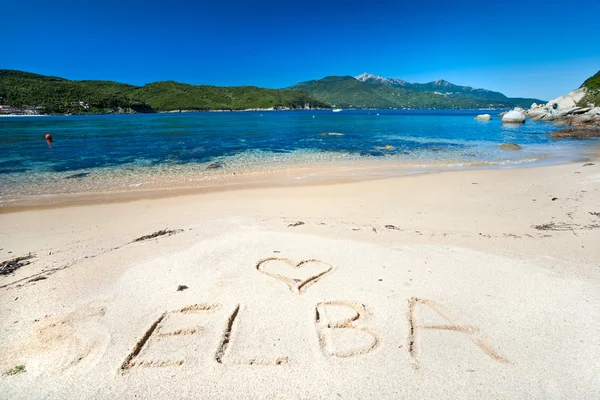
pixel 470 284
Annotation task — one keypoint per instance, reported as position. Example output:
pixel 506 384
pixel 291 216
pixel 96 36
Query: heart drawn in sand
pixel 297 276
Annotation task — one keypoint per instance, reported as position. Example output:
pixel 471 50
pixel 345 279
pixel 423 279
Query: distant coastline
pixel 28 94
pixel 245 111
pixel 23 115
pixel 39 94
pixel 129 112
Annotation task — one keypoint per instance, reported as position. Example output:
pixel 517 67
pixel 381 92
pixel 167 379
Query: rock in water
pixel 215 165
pixel 77 176
pixel 582 132
pixel 560 109
pixel 510 146
pixel 537 113
pixel 483 117
pixel 513 117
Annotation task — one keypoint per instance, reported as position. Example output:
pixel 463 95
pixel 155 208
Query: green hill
pixel 593 90
pixel 371 91
pixel 166 96
pixel 61 95
pixel 58 95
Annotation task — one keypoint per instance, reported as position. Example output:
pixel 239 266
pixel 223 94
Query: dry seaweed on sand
pixel 555 227
pixel 552 226
pixel 393 227
pixel 295 224
pixel 163 232
pixel 10 266
pixel 19 369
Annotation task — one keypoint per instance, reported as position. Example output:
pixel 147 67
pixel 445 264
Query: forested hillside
pixel 58 95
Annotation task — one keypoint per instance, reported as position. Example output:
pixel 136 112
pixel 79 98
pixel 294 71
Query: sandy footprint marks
pixel 77 339
pixel 453 325
pixel 169 338
pixel 340 330
pixel 298 276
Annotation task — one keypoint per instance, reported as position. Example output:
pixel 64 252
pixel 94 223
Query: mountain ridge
pixel 376 91
pixel 55 95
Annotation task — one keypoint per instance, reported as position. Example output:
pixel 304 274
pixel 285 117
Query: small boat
pixel 336 110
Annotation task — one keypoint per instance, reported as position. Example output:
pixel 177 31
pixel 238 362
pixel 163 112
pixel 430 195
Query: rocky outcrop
pixel 579 132
pixel 568 101
pixel 510 146
pixel 137 109
pixel 566 110
pixel 483 117
pixel 515 116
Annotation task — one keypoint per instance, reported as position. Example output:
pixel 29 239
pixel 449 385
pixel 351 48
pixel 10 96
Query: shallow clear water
pixel 111 147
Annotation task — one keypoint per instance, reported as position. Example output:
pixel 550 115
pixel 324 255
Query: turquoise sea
pixel 123 152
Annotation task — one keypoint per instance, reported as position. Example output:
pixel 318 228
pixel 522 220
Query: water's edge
pixel 130 156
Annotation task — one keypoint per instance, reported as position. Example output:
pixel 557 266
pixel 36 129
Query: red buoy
pixel 48 137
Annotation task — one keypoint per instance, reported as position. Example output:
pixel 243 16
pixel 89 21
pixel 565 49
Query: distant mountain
pixel 370 78
pixel 58 95
pixel 376 91
pixel 440 85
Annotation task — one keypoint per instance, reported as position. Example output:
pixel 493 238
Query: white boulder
pixel 483 117
pixel 563 110
pixel 513 117
pixel 582 119
pixel 537 113
pixel 566 102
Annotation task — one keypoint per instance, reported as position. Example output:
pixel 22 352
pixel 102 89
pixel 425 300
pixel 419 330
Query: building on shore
pixel 25 110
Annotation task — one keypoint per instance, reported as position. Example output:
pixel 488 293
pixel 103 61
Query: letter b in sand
pixel 341 334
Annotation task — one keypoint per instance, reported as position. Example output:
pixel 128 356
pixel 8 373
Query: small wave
pixel 332 134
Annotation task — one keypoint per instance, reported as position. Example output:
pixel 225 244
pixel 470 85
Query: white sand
pixel 465 299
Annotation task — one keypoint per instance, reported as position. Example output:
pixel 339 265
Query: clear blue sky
pixel 522 48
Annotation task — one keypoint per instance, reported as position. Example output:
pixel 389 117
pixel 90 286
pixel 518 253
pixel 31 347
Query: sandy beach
pixel 461 284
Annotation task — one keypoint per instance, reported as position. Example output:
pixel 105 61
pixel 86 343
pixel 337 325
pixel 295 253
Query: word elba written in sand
pixel 341 327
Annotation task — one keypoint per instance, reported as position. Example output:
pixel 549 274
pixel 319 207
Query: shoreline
pixel 171 112
pixel 253 168
pixel 300 176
